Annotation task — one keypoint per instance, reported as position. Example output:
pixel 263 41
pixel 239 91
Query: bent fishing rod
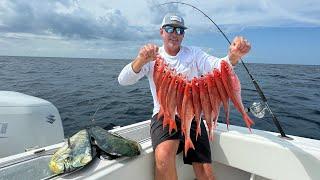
pixel 255 83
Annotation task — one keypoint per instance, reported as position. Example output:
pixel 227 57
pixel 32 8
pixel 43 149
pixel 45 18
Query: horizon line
pixel 132 59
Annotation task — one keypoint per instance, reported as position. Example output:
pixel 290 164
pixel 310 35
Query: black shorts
pixel 202 152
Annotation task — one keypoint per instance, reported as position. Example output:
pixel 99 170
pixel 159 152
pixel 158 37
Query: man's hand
pixel 238 48
pixel 147 53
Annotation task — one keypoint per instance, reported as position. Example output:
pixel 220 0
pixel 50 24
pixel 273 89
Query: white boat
pixel 237 154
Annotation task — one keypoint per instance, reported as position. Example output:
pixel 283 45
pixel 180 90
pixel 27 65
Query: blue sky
pixel 281 32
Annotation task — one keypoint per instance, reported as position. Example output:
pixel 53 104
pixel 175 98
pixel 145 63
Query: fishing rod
pixel 255 83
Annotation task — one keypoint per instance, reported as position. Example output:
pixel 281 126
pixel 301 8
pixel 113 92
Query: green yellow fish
pixel 74 154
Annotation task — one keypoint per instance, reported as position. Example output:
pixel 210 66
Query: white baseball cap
pixel 174 20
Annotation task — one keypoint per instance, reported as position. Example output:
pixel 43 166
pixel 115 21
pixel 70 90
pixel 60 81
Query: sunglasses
pixel 170 29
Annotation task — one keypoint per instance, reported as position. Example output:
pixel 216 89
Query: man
pixel 191 62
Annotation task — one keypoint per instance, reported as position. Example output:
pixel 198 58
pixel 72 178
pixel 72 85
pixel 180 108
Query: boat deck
pixel 237 155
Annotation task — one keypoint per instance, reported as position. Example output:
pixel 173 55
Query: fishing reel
pixel 258 109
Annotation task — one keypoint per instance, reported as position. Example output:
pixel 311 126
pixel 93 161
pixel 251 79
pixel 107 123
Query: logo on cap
pixel 175 18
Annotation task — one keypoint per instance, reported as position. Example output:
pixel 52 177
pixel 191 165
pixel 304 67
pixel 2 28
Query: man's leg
pixel 203 171
pixel 200 158
pixel 165 160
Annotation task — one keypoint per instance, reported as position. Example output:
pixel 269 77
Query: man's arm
pixel 135 70
pixel 206 63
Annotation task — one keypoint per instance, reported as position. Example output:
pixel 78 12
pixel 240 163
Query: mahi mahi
pixel 73 154
pixel 113 144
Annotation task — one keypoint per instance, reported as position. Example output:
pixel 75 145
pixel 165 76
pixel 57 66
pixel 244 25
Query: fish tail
pixel 210 136
pixel 227 113
pixel 210 133
pixel 160 114
pixel 216 119
pixel 183 130
pixel 227 119
pixel 248 121
pixel 198 131
pixel 188 144
pixel 172 125
pixel 165 122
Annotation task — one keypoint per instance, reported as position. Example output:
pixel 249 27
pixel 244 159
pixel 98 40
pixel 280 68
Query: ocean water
pixel 78 86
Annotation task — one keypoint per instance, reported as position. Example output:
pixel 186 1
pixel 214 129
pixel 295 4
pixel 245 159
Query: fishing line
pixel 93 116
pixel 255 83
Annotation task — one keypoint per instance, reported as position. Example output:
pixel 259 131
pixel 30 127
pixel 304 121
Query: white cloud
pixel 64 26
pixel 69 20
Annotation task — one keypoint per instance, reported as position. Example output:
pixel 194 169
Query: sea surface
pixel 78 86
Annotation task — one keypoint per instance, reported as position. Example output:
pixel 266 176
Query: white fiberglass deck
pixel 237 155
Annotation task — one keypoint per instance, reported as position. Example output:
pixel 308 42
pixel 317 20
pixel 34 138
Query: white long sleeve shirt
pixel 190 61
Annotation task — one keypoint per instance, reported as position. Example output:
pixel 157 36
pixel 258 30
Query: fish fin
pixel 116 134
pixel 187 145
pixel 109 126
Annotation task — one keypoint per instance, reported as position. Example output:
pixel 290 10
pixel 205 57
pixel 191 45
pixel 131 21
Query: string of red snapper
pixel 189 99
